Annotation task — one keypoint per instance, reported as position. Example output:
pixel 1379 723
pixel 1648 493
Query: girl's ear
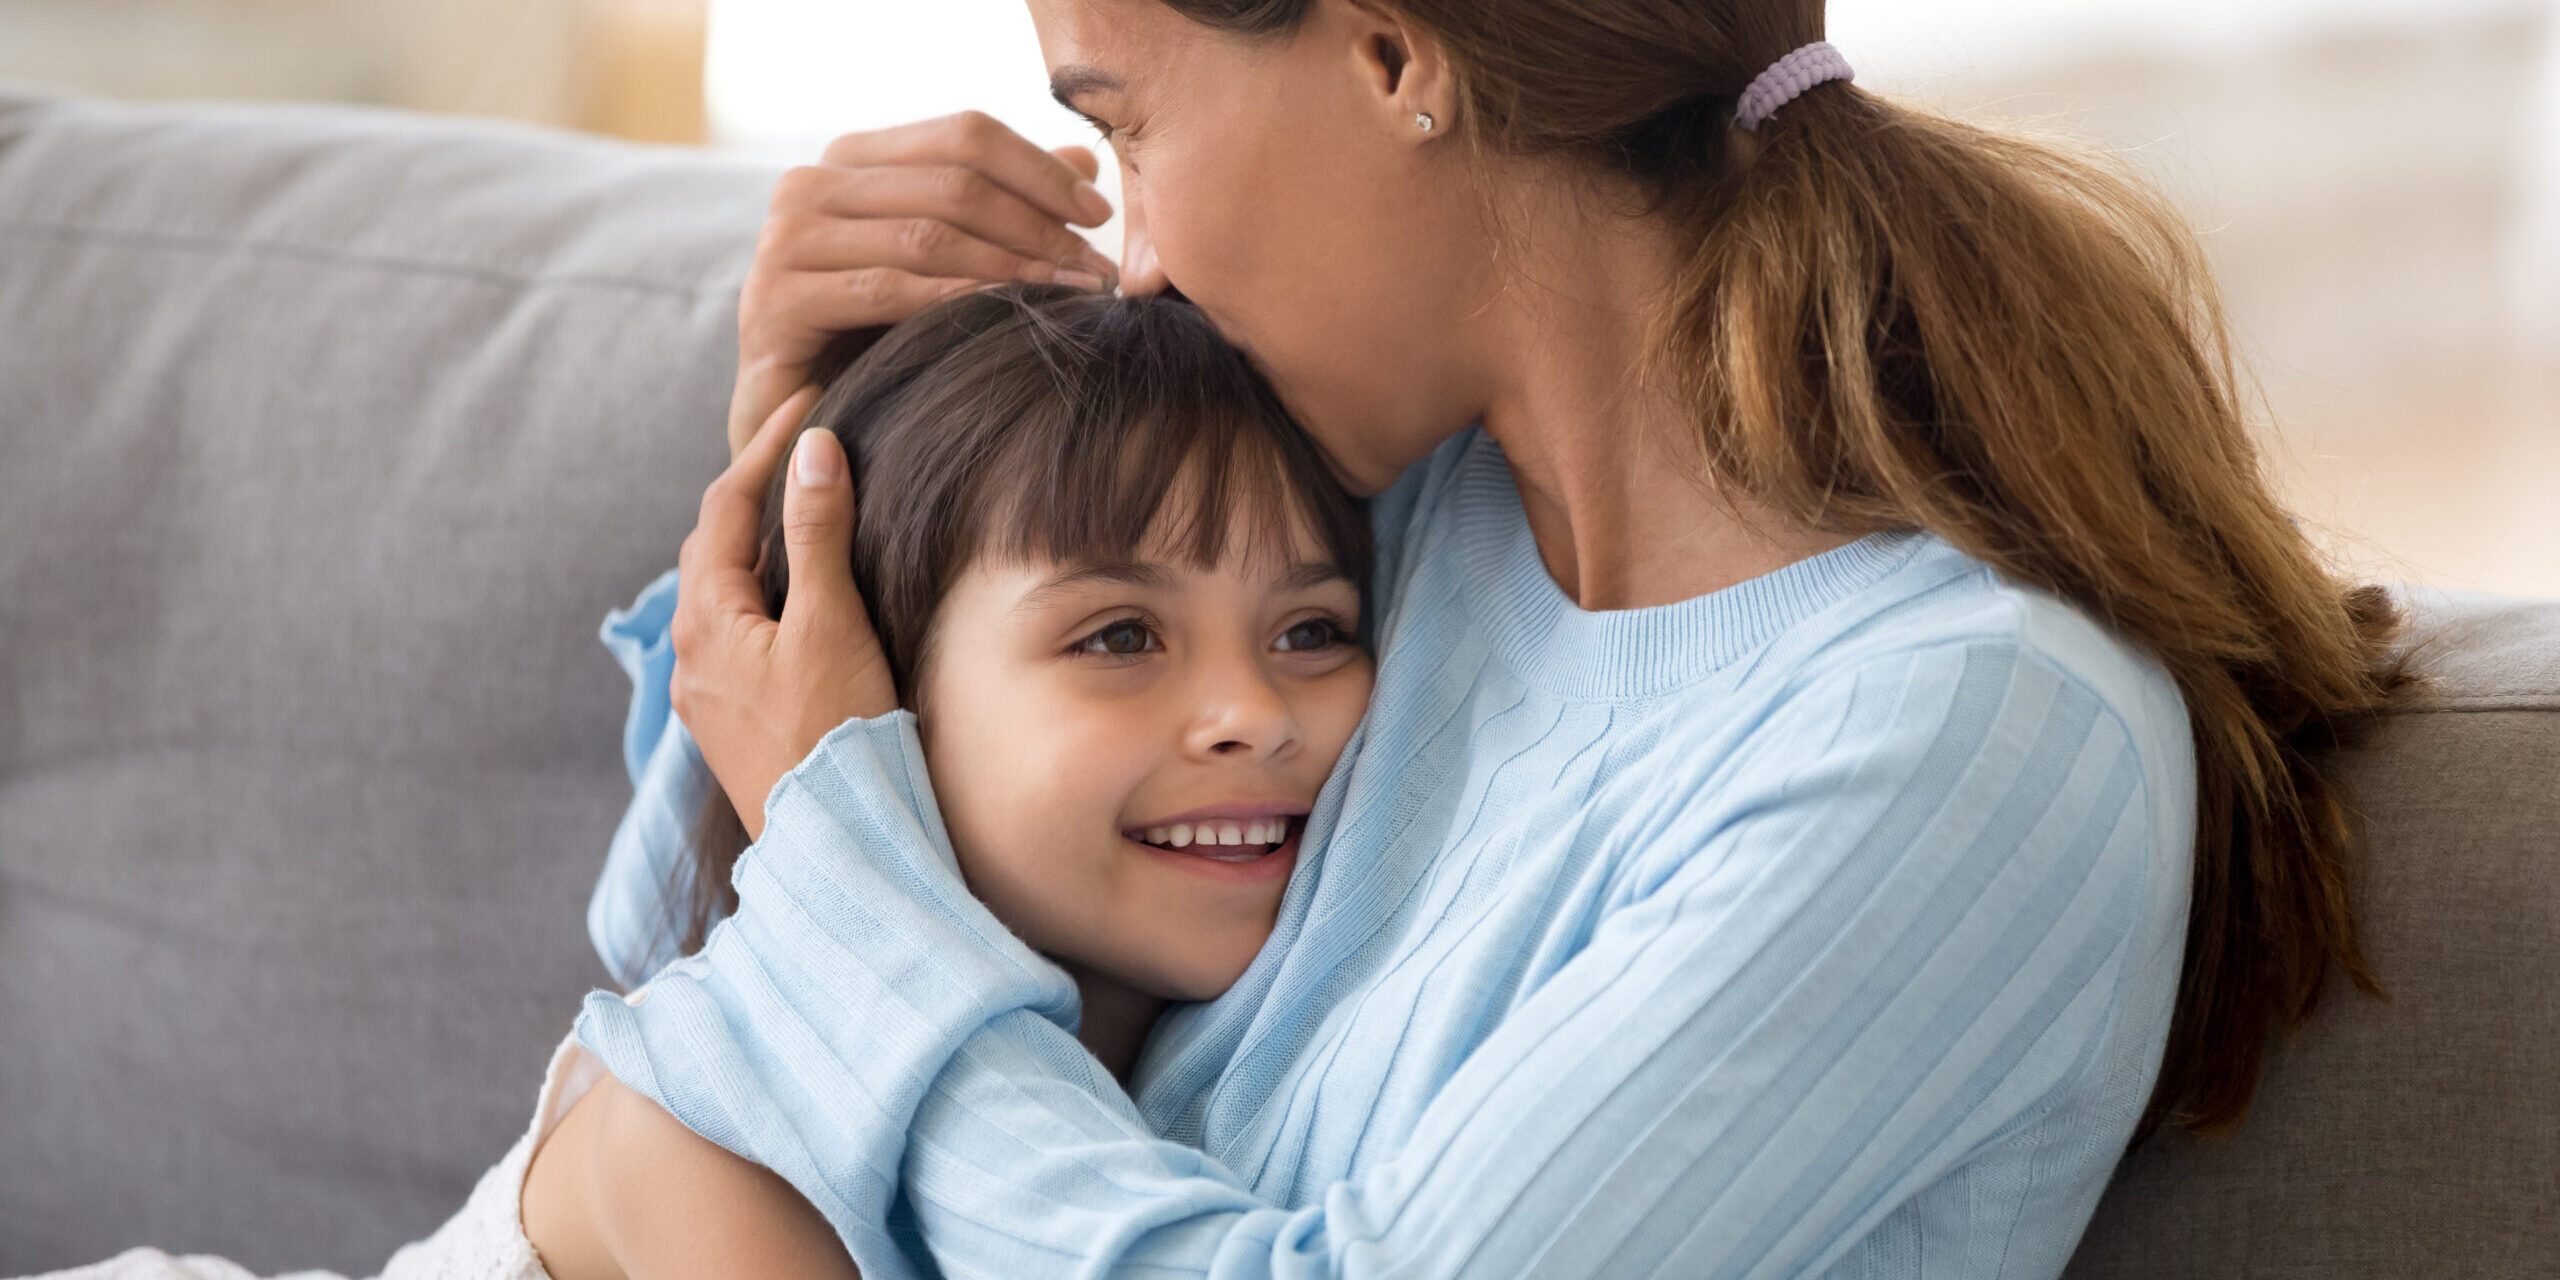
pixel 1405 68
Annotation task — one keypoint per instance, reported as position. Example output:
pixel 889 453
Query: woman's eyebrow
pixel 1075 80
pixel 1127 573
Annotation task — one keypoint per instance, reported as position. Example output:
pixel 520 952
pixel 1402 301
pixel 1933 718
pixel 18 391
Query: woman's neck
pixel 1609 466
pixel 1117 1018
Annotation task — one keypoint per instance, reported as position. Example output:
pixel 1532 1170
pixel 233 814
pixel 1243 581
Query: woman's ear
pixel 1405 67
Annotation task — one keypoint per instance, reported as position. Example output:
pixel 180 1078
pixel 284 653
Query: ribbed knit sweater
pixel 1824 925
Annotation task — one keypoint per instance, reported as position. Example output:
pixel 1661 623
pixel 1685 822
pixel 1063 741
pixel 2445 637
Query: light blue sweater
pixel 1825 925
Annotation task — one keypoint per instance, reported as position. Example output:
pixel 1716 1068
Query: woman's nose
pixel 1140 273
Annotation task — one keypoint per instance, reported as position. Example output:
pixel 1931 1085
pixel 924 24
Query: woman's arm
pixel 621 1191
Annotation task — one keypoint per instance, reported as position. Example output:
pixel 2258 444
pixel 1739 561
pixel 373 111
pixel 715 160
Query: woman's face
pixel 1283 186
pixel 1124 754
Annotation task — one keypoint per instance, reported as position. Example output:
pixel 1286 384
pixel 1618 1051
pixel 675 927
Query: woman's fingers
pixel 826 633
pixel 824 609
pixel 1080 159
pixel 917 245
pixel 967 203
pixel 717 563
pixel 981 142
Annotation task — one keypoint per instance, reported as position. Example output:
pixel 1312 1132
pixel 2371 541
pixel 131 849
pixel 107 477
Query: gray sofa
pixel 325 440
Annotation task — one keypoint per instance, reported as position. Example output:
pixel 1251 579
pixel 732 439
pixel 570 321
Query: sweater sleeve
pixel 1878 937
pixel 633 917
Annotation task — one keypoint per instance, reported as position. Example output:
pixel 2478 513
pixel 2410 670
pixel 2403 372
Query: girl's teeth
pixel 1258 834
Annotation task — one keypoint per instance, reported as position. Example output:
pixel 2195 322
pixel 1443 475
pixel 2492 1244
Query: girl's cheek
pixel 1345 699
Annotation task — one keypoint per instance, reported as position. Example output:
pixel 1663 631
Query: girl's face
pixel 1125 754
pixel 1284 187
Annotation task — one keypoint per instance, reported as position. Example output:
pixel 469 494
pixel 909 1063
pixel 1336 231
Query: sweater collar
pixel 1556 646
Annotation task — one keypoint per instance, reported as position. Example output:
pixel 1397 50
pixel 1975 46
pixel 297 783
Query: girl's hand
pixel 888 222
pixel 758 692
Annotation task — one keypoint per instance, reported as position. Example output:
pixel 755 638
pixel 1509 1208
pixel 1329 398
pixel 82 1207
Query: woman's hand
pixel 757 692
pixel 891 221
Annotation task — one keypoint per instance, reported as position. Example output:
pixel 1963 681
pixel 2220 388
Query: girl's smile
pixel 1247 850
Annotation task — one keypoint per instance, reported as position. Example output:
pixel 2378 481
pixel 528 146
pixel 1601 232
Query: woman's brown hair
pixel 1888 319
pixel 1039 422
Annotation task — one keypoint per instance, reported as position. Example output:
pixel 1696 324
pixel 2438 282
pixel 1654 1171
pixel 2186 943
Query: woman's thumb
pixel 817 535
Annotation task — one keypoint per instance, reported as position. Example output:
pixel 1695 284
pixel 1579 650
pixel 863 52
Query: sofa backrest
pixel 2417 1136
pixel 327 437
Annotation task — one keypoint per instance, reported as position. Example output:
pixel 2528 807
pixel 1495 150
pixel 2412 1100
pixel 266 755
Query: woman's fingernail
pixel 1091 202
pixel 1081 279
pixel 814 465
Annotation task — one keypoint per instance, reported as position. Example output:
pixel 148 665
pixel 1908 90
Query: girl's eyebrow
pixel 1301 575
pixel 1312 573
pixel 1125 573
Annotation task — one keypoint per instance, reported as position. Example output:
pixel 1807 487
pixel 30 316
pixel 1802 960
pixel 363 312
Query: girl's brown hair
pixel 1889 319
pixel 1039 422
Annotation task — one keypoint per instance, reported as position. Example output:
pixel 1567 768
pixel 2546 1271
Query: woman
pixel 1845 748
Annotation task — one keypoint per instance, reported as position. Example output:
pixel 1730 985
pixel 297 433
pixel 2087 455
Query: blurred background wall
pixel 2379 180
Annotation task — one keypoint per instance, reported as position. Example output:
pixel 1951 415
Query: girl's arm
pixel 622 1191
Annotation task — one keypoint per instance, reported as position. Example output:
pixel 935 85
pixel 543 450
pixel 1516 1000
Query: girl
pixel 1849 741
pixel 1122 594
pixel 1119 591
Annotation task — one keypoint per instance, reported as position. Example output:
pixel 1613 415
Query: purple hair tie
pixel 1787 79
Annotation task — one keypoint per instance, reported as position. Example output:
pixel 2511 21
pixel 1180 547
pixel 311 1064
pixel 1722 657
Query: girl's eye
pixel 1314 633
pixel 1125 638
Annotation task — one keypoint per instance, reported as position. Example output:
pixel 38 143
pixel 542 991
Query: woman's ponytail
pixel 1896 320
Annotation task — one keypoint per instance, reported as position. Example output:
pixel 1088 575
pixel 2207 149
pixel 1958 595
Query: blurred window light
pixel 2533 278
pixel 783 77
pixel 1897 38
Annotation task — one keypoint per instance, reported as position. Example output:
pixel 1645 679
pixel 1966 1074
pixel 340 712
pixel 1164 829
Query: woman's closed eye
pixel 1112 136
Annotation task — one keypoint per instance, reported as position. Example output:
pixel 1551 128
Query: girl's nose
pixel 1241 713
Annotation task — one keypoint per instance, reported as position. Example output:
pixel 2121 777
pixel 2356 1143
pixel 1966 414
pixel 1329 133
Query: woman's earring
pixel 1422 120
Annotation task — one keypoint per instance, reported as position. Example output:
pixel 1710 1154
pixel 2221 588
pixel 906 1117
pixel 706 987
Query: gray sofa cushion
pixel 325 440
pixel 2418 1137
